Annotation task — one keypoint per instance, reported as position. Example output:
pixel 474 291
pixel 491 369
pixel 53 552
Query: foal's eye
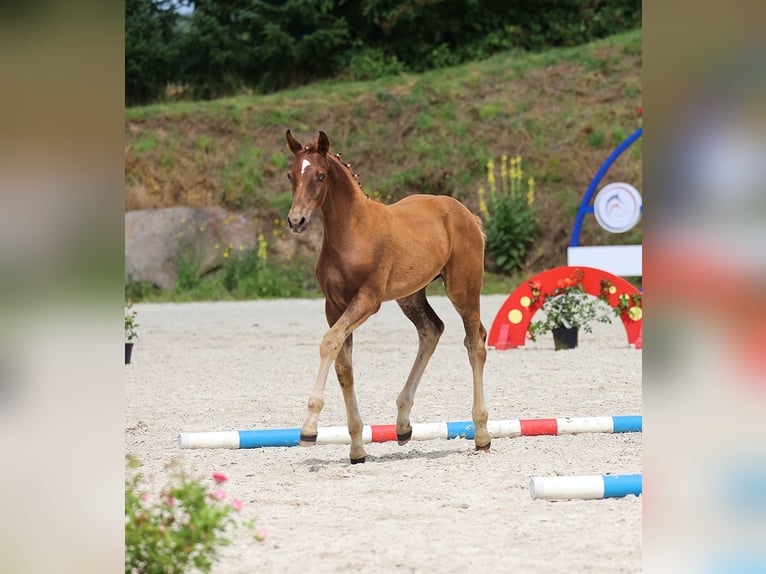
pixel 289 176
pixel 320 177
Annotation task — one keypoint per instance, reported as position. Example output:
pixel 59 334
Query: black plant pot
pixel 128 352
pixel 564 338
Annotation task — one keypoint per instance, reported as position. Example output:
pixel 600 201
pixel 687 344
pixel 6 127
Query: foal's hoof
pixel 361 460
pixel 403 439
pixel 308 440
pixel 484 448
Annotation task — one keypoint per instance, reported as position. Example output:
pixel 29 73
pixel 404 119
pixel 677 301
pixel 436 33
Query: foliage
pixel 130 322
pixel 152 56
pixel 568 306
pixel 250 276
pixel 510 222
pixel 215 49
pixel 182 529
pixel 628 306
pixel 242 274
pixel 266 45
pixel 372 63
pixel 261 45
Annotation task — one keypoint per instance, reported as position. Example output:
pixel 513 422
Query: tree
pixel 151 50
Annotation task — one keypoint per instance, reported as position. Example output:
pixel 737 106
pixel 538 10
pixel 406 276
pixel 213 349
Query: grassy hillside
pixel 563 111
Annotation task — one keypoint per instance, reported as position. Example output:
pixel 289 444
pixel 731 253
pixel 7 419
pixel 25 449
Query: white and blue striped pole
pixel 420 431
pixel 585 487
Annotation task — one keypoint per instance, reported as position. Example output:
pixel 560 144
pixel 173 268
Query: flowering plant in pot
pixel 130 330
pixel 568 308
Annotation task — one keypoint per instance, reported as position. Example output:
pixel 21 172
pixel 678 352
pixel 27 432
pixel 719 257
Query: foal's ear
pixel 294 145
pixel 323 143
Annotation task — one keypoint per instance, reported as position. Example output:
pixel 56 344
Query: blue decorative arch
pixel 586 206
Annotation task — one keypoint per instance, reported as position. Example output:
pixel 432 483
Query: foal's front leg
pixel 345 372
pixel 362 306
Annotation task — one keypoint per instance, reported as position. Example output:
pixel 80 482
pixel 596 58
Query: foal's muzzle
pixel 297 226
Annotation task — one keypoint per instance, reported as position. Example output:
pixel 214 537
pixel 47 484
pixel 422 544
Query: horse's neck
pixel 345 200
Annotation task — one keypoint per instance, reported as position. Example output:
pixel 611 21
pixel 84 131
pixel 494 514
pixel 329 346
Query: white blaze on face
pixel 304 166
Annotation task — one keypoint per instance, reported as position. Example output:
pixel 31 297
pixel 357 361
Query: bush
pixel 510 222
pixel 372 63
pixel 250 276
pixel 510 231
pixel 182 529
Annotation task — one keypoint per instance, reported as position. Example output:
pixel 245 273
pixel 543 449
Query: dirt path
pixel 434 506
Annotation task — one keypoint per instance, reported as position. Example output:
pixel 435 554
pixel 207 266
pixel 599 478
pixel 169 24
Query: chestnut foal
pixel 372 253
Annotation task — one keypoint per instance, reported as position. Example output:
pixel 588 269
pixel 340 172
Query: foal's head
pixel 308 176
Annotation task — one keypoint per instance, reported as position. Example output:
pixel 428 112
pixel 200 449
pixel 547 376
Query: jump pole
pixel 420 431
pixel 585 487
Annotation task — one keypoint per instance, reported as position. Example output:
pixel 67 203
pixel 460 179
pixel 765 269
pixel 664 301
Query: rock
pixel 155 239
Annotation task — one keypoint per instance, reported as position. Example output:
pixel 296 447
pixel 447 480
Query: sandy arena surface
pixel 430 506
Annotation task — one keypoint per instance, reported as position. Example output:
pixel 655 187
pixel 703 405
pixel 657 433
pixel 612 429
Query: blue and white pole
pixel 585 487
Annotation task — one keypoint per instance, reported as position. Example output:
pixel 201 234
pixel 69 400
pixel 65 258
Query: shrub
pixel 510 222
pixel 372 63
pixel 182 529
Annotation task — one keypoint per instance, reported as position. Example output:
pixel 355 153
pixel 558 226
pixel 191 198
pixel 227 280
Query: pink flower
pixel 237 504
pixel 260 535
pixel 219 494
pixel 219 477
pixel 144 495
pixel 169 500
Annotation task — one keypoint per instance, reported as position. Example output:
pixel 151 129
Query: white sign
pixel 617 207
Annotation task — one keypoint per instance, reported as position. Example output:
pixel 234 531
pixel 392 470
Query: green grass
pixel 242 179
pixel 146 143
pixel 243 278
pixel 596 138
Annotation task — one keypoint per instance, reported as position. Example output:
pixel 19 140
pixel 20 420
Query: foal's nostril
pixel 302 222
pixel 289 223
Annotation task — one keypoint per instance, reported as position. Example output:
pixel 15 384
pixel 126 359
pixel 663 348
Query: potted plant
pixel 567 310
pixel 130 330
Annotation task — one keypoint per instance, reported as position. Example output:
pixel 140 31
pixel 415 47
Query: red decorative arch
pixel 509 329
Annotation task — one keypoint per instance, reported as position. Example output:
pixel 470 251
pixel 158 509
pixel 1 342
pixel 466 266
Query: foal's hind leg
pixel 464 290
pixel 430 328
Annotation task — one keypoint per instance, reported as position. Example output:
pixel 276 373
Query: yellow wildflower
pixel 262 248
pixel 530 190
pixel 483 204
pixel 504 172
pixel 491 178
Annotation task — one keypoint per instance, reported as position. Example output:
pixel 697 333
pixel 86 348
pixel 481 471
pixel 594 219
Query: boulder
pixel 155 240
